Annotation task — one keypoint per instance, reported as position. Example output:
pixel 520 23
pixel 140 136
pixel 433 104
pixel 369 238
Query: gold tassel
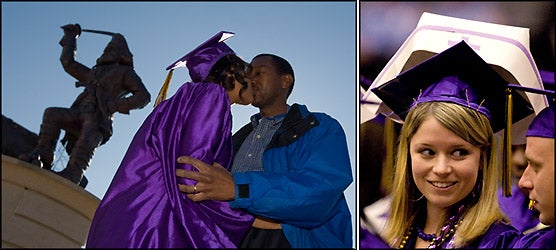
pixel 164 90
pixel 507 148
pixel 388 169
pixel 531 204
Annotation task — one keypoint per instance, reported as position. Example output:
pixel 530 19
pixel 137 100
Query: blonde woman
pixel 446 172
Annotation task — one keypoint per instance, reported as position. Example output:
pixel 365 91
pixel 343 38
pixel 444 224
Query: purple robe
pixel 143 207
pixel 542 238
pixel 498 236
pixel 368 240
pixel 515 207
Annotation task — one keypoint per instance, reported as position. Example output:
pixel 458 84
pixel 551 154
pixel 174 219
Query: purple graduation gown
pixel 515 207
pixel 368 240
pixel 543 238
pixel 143 207
pixel 498 236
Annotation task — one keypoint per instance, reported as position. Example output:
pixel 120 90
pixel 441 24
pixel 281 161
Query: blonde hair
pixel 474 128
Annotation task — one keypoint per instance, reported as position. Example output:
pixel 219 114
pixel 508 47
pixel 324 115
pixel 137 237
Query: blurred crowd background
pixel 385 26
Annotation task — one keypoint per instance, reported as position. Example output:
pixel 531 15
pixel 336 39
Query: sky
pixel 317 38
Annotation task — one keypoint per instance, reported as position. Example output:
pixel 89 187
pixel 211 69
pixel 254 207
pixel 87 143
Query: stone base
pixel 41 209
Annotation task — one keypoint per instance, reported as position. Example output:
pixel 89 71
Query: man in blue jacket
pixel 290 170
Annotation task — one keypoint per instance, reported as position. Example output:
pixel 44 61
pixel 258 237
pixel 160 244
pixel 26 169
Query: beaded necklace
pixel 424 236
pixel 446 232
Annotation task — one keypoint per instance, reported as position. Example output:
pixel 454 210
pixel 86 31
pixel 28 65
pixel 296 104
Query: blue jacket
pixel 306 170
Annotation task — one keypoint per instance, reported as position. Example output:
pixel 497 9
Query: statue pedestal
pixel 41 209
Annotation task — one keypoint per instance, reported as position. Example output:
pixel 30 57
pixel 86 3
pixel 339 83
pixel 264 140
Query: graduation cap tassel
pixel 388 169
pixel 164 90
pixel 507 147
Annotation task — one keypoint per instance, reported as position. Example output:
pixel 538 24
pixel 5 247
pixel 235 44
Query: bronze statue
pixel 111 86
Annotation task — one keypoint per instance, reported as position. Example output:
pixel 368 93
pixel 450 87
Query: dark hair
pixel 283 66
pixel 226 70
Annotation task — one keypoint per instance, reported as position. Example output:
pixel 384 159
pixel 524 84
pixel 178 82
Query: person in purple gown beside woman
pixel 538 178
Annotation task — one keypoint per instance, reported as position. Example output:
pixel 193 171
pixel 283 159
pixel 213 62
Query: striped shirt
pixel 250 155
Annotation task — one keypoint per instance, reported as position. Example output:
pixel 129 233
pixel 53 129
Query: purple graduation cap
pixel 457 75
pixel 543 123
pixel 199 61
